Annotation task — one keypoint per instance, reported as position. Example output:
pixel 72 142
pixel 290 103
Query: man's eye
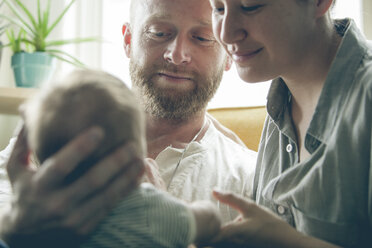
pixel 202 39
pixel 251 8
pixel 158 34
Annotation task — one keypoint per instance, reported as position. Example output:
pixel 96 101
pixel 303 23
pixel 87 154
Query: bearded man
pixel 176 66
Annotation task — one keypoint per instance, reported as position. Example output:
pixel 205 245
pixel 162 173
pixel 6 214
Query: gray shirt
pixel 329 195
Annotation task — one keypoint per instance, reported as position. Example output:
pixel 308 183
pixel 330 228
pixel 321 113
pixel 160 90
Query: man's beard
pixel 167 103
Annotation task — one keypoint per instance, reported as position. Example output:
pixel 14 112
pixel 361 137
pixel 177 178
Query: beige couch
pixel 246 122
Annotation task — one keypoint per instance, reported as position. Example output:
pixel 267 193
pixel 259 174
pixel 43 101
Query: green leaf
pixel 70 59
pixel 5 45
pixel 20 18
pixel 71 41
pixel 3 28
pixel 46 19
pixel 14 21
pixel 15 41
pixel 27 12
pixel 39 11
pixel 60 17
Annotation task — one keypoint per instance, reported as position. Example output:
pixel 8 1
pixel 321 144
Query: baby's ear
pixel 127 34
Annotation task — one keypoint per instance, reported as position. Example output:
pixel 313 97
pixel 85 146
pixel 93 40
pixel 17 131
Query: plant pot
pixel 32 70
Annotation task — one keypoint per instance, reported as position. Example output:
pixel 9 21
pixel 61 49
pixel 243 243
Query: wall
pixel 7 122
pixel 367 18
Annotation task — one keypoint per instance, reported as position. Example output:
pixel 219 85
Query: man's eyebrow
pixel 159 16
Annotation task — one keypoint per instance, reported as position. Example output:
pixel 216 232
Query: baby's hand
pixel 208 221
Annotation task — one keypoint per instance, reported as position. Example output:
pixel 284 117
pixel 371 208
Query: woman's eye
pixel 218 10
pixel 251 8
pixel 217 7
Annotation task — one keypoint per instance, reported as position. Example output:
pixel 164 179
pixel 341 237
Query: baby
pixel 147 217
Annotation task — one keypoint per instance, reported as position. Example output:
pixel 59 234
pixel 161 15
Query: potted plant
pixel 33 53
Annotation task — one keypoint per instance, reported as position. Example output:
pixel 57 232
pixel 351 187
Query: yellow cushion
pixel 246 122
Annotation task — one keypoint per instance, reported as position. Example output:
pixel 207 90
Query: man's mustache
pixel 175 69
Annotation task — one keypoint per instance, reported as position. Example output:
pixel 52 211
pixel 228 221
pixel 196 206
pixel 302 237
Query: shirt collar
pixel 338 83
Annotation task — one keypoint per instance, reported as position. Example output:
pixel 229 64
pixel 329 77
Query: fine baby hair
pixel 85 98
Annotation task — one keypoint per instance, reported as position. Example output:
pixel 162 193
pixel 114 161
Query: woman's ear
pixel 127 38
pixel 322 7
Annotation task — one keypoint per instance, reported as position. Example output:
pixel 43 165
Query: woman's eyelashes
pixel 251 9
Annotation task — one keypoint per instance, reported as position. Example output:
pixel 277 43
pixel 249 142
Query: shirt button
pixel 281 210
pixel 289 148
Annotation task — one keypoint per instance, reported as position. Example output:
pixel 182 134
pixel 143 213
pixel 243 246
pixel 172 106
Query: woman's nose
pixel 232 30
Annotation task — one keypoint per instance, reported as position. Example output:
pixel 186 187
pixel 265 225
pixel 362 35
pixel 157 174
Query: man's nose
pixel 178 51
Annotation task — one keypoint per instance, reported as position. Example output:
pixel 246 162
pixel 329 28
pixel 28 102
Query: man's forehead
pixel 197 10
pixel 164 16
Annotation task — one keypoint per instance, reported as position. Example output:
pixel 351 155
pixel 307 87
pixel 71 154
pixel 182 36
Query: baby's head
pixel 84 99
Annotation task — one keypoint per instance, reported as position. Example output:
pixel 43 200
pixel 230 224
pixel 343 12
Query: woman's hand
pixel 259 227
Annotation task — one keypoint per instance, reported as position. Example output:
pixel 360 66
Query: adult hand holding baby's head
pixel 44 208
